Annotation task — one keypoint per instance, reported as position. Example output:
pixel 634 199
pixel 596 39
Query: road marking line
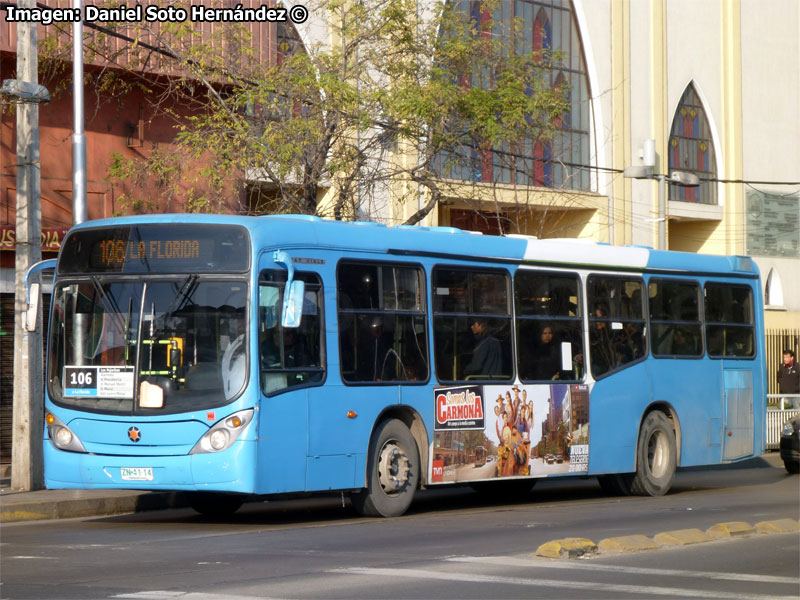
pixel 594 566
pixel 167 595
pixel 638 590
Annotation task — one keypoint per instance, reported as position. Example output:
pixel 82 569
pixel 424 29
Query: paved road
pixel 453 544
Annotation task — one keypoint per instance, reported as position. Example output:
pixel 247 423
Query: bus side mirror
pixel 33 291
pixel 32 314
pixel 293 304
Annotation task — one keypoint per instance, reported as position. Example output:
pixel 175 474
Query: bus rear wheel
pixel 393 472
pixel 215 504
pixel 656 457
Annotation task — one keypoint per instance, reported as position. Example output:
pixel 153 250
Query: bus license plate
pixel 136 473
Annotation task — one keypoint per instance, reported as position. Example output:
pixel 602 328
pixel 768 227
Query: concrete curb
pixel 566 548
pixel 732 529
pixel 578 547
pixel 778 526
pixel 628 543
pixel 99 506
pixel 682 537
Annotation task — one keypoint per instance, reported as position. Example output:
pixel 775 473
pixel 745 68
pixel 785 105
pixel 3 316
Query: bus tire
pixel 656 456
pixel 215 504
pixel 393 471
pixel 615 485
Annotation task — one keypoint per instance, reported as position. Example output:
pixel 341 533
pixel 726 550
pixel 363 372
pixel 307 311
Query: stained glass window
pixel 692 150
pixel 564 161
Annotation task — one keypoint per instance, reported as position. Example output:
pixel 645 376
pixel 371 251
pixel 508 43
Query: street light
pixel 676 177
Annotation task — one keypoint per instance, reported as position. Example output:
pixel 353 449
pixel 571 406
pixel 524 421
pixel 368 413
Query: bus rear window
pixel 156 248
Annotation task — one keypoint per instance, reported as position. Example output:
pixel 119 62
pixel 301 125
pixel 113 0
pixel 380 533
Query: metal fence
pixel 775 421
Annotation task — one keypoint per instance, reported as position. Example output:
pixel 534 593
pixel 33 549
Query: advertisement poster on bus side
pixel 490 431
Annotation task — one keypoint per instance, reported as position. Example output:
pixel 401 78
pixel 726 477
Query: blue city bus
pixel 237 358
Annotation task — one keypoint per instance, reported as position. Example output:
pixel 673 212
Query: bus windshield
pixel 155 347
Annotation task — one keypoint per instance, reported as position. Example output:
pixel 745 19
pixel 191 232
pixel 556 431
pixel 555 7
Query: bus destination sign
pixel 156 248
pixel 115 252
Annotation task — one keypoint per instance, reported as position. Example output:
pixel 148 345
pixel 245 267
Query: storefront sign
pixel 51 238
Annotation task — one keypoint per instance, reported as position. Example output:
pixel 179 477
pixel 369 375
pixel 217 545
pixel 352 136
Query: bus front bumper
pixel 232 470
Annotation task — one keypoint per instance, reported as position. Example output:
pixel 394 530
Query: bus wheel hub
pixel 393 468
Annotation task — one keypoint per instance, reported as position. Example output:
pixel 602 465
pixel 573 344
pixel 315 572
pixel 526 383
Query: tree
pixel 384 112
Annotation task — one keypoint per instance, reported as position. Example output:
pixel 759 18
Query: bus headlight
pixel 218 439
pixel 223 433
pixel 61 436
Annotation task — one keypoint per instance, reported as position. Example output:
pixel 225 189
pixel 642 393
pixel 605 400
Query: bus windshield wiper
pixel 108 298
pixel 183 295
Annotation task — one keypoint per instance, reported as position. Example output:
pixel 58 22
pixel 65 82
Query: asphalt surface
pixel 65 504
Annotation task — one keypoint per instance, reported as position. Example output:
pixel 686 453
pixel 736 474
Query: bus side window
pixel 675 318
pixel 616 323
pixel 291 356
pixel 472 324
pixel 549 326
pixel 730 329
pixel 382 322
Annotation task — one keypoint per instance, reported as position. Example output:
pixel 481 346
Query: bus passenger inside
pixel 547 361
pixel 602 350
pixel 288 357
pixel 487 355
pixel 293 354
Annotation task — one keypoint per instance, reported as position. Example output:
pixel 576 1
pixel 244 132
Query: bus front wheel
pixel 656 457
pixel 393 472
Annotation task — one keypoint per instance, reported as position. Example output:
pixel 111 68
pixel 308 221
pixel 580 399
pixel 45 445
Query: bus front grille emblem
pixel 134 434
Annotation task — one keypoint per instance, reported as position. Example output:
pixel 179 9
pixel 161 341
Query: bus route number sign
pixel 80 381
pixel 98 382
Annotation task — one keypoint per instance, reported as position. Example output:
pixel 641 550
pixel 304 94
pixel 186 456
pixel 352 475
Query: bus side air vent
pixel 741 263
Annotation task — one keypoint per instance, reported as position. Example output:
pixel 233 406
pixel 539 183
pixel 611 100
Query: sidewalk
pixel 65 504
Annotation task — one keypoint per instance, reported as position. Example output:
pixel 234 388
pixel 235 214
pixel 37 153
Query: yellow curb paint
pixel 682 537
pixel 731 529
pixel 627 543
pixel 778 526
pixel 11 516
pixel 566 548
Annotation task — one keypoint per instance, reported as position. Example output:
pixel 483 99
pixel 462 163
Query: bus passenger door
pixel 282 436
pixel 738 392
pixel 340 420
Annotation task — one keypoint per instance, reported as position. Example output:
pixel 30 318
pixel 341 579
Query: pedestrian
pixel 789 378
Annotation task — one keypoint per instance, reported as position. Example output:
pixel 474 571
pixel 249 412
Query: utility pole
pixel 27 472
pixel 79 207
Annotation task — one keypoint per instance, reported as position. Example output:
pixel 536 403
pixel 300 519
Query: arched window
pixel 542 39
pixel 691 149
pixel 565 161
pixel 773 293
